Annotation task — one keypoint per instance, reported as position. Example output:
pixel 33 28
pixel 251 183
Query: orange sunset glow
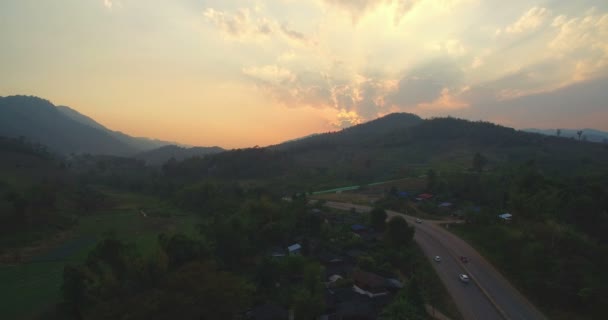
pixel 244 73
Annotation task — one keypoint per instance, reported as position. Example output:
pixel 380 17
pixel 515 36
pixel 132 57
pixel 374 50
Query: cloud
pixel 345 119
pixel 108 4
pixel 452 72
pixel 361 96
pixel 583 41
pixel 270 74
pixel 235 24
pixel 530 20
pixel 451 47
pixel 305 89
pixel 447 101
pixel 245 25
pixel 356 8
pixel 359 8
pixel 292 34
pixel 587 32
pixel 477 63
pixel 583 104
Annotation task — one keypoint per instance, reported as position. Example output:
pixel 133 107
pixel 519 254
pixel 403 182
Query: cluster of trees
pixel 178 281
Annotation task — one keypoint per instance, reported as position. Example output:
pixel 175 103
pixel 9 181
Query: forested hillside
pixel 63 130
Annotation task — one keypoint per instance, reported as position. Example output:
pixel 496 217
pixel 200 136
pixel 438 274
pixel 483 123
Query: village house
pixel 369 284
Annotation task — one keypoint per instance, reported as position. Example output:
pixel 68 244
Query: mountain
pixel 64 130
pixel 358 133
pixel 588 134
pixel 163 154
pixel 138 143
pixel 41 122
pixel 396 146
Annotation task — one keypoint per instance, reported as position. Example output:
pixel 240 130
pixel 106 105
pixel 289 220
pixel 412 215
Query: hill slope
pixel 138 143
pixel 64 130
pixel 40 121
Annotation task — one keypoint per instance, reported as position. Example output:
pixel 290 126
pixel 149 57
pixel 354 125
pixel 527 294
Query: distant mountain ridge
pixel 64 130
pixel 139 143
pixel 592 135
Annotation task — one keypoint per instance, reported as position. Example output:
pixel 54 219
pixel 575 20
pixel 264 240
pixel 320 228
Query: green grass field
pixel 30 288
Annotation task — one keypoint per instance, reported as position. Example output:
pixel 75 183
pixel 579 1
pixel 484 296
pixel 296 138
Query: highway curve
pixel 488 296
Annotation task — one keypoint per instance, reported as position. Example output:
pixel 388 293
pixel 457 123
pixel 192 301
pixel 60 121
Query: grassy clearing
pixel 29 288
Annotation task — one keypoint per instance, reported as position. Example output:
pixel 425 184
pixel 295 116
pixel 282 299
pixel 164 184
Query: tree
pixel 180 249
pixel 402 308
pixel 74 290
pixel 479 161
pixel 431 179
pixel 378 219
pixel 231 241
pixel 558 132
pixel 579 134
pixel 194 291
pixel 398 232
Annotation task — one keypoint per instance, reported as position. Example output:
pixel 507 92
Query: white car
pixel 464 278
pixel 437 259
pixel 418 221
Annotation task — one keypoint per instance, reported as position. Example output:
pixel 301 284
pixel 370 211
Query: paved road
pixel 488 296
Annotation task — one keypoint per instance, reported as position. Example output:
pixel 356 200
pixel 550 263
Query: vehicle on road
pixel 418 221
pixel 464 278
pixel 464 259
pixel 437 258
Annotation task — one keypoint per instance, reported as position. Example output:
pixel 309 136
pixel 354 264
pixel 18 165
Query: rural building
pixel 369 284
pixel 294 249
pixel 505 216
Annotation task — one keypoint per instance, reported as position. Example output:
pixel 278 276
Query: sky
pixel 259 72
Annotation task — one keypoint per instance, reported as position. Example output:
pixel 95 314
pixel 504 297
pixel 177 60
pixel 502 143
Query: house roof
pixel 505 216
pixel 394 283
pixel 294 247
pixel 358 227
pixel 334 278
pixel 328 257
pixel 425 196
pixel 369 281
pixel 445 204
pixel 342 269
